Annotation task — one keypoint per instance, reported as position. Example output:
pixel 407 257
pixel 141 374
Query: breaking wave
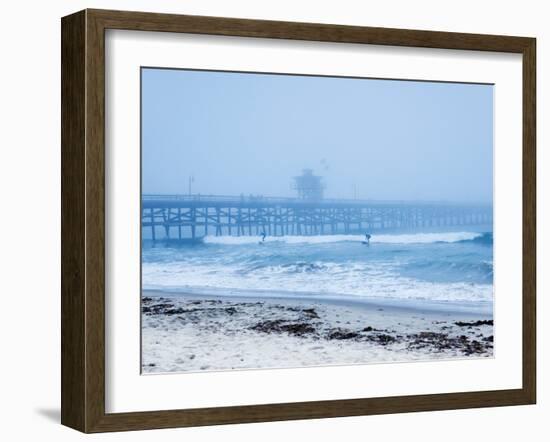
pixel 416 238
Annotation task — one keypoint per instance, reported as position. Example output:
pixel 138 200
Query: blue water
pixel 442 267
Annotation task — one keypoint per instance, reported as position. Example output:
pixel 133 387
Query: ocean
pixel 449 270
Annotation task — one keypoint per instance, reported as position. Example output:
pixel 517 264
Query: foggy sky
pixel 377 139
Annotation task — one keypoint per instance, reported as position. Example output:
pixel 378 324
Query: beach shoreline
pixel 189 332
pixel 466 309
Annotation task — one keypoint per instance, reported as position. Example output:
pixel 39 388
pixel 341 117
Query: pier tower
pixel 309 187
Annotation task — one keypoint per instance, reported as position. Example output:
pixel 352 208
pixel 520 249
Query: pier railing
pixel 152 198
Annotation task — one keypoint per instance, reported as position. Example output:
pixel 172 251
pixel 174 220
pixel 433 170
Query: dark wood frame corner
pixel 83 217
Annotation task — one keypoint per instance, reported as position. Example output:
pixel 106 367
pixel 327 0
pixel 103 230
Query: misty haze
pixel 240 133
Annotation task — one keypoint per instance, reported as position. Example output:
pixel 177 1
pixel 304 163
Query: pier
pixel 195 216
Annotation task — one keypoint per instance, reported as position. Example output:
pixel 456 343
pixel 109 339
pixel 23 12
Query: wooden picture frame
pixel 83 220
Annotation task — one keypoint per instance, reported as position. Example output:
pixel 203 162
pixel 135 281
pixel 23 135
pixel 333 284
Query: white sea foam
pixel 361 280
pixel 416 238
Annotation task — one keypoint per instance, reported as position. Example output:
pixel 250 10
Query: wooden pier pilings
pixel 194 216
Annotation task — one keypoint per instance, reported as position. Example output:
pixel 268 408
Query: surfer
pixel 367 239
pixel 263 235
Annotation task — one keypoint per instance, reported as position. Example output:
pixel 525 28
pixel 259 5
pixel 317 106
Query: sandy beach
pixel 189 332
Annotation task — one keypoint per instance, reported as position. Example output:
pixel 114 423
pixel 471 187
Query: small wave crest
pixel 292 267
pixel 484 238
pixel 450 270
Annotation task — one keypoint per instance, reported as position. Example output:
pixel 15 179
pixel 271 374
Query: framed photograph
pixel 269 220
